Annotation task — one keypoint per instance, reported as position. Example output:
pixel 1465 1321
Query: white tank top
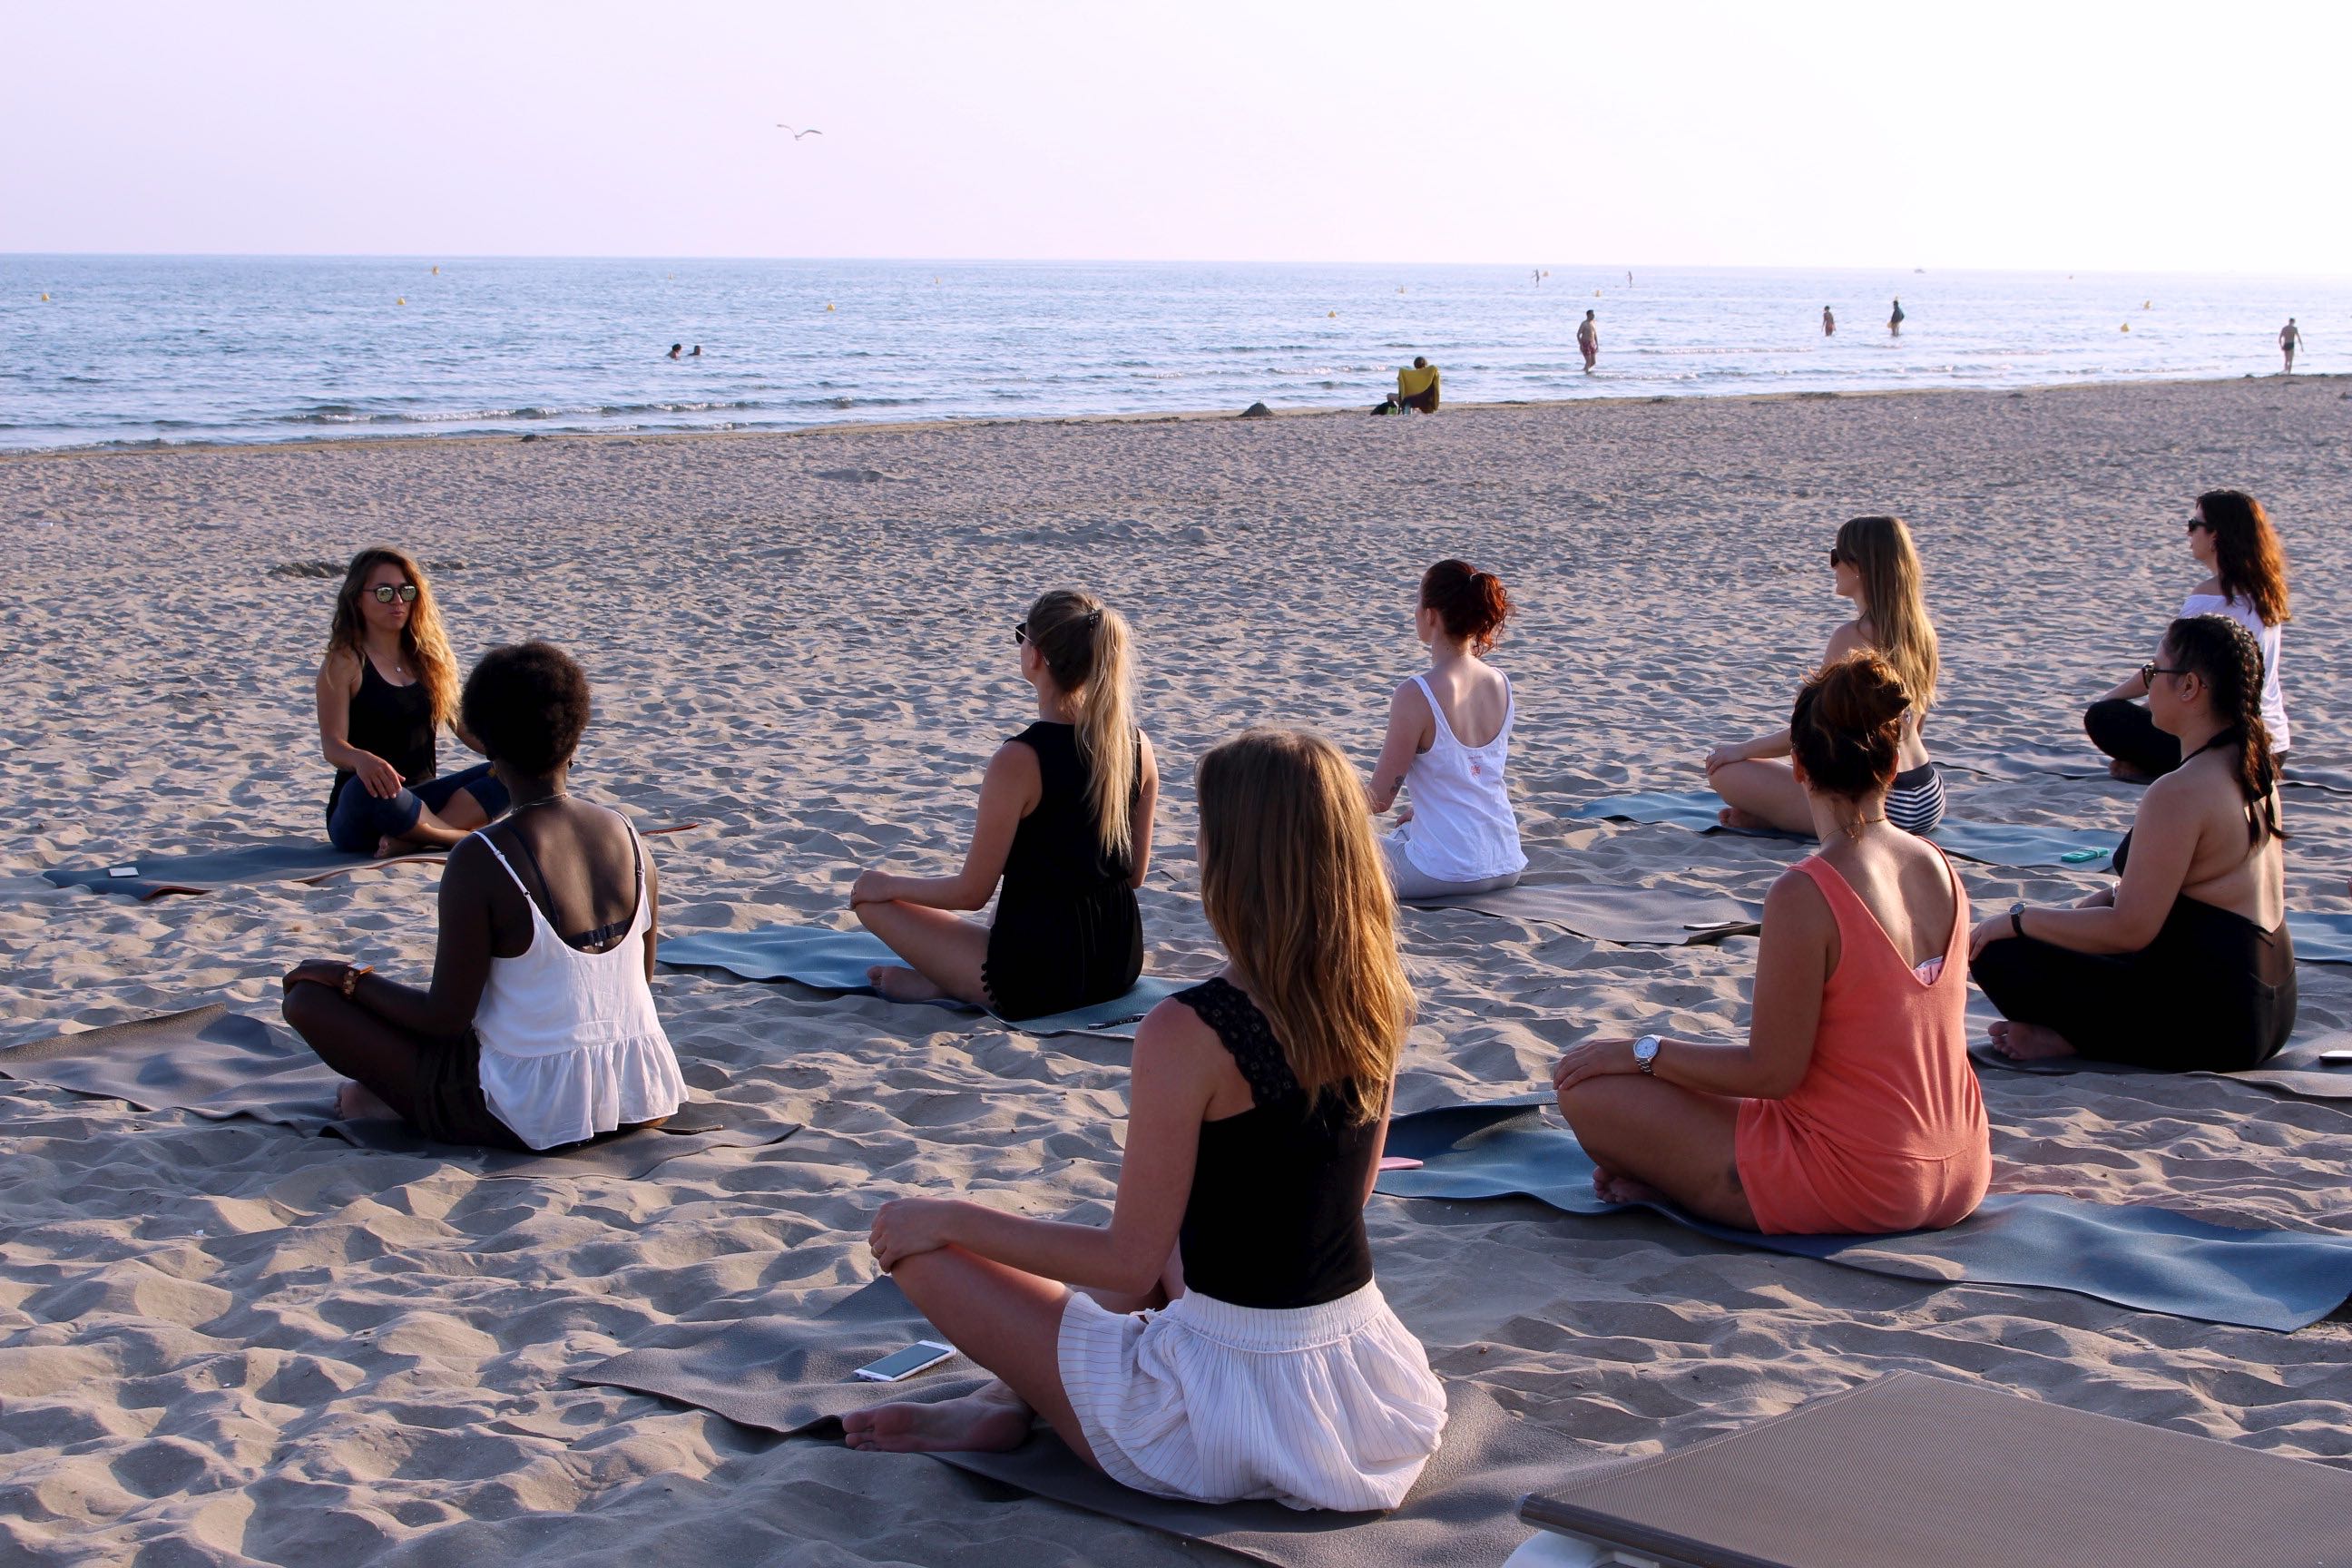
pixel 1463 829
pixel 2267 637
pixel 570 1047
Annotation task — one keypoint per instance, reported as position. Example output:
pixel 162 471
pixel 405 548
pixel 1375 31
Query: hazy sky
pixel 2057 134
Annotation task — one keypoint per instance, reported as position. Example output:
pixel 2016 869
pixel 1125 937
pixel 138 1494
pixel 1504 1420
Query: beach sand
pixel 222 1342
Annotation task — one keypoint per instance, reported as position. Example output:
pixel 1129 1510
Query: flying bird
pixel 797 134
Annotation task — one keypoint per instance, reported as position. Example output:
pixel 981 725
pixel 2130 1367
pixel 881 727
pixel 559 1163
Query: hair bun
pixel 1846 728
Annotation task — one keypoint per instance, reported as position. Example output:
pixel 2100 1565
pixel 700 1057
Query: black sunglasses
pixel 386 593
pixel 2148 672
pixel 1020 633
pixel 1835 559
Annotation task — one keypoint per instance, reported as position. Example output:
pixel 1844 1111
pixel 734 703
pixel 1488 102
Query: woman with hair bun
pixel 1448 739
pixel 2186 963
pixel 539 1029
pixel 1872 563
pixel 1852 1108
pixel 1065 823
pixel 387 686
pixel 2230 536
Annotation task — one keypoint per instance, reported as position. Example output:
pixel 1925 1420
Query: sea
pixel 119 351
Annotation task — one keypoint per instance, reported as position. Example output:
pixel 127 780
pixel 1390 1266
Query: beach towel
pixel 1629 917
pixel 837 961
pixel 2149 1259
pixel 793 1376
pixel 1413 383
pixel 1927 1472
pixel 2295 1071
pixel 214 1063
pixel 306 860
pixel 1987 843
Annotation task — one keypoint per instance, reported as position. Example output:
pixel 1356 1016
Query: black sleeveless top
pixel 1277 1215
pixel 1066 932
pixel 395 722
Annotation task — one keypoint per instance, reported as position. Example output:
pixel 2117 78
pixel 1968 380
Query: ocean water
pixel 132 350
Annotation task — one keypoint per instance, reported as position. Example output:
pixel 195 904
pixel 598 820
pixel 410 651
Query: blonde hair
pixel 1089 652
pixel 1881 553
pixel 421 640
pixel 1293 884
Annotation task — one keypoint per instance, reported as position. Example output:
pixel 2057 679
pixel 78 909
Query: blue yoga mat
pixel 838 960
pixel 2149 1259
pixel 2321 938
pixel 1987 843
pixel 272 860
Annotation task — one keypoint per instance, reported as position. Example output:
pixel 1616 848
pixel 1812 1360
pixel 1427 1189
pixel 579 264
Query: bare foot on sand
pixel 900 983
pixel 1746 822
pixel 988 1422
pixel 357 1102
pixel 1612 1188
pixel 2027 1042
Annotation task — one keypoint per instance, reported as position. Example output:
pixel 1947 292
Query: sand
pixel 220 1343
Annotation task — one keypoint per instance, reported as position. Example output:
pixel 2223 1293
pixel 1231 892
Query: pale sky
pixel 2137 138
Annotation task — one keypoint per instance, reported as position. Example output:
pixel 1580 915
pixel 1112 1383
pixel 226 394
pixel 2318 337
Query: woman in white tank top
pixel 1449 738
pixel 539 1029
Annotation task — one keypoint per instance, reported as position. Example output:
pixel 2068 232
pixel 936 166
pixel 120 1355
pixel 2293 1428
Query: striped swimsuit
pixel 1915 802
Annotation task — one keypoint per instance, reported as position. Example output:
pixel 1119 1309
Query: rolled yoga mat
pixel 794 1376
pixel 2295 1071
pixel 1929 1473
pixel 305 860
pixel 1987 843
pixel 2148 1259
pixel 215 1063
pixel 1630 917
pixel 838 960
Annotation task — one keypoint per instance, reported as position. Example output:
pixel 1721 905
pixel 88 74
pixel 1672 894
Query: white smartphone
pixel 122 871
pixel 905 1363
pixel 2340 1056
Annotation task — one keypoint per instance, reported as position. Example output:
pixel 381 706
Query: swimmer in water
pixel 677 351
pixel 696 353
pixel 1829 324
pixel 1588 341
pixel 1894 322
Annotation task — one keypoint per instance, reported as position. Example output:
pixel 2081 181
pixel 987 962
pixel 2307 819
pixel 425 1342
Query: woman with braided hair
pixel 1065 824
pixel 2185 964
pixel 2230 536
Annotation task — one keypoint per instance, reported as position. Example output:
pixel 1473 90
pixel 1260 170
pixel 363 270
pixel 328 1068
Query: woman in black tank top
pixel 1222 1337
pixel 1065 824
pixel 386 689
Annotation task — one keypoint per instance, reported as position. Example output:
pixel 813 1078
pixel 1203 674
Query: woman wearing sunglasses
pixel 2230 536
pixel 1065 823
pixel 1875 565
pixel 386 689
pixel 2186 963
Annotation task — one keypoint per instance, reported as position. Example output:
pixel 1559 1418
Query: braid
pixel 2226 654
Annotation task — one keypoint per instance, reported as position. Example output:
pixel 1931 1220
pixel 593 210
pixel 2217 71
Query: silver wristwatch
pixel 1645 1053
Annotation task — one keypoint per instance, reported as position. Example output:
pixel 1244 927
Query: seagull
pixel 797 134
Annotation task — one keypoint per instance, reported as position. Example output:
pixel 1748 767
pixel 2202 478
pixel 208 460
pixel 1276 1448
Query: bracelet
pixel 352 978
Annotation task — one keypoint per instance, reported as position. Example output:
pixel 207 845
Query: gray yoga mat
pixel 2149 1259
pixel 1630 917
pixel 215 1063
pixel 1989 842
pixel 308 860
pixel 838 960
pixel 793 1376
pixel 1927 1472
pixel 2321 937
pixel 2296 1071
pixel 2084 762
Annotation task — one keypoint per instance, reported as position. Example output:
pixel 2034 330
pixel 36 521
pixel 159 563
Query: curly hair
pixel 2224 654
pixel 527 703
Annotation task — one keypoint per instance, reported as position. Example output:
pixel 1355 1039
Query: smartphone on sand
pixel 2341 1056
pixel 905 1363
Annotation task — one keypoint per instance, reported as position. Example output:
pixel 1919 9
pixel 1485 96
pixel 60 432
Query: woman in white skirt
pixel 1221 1338
pixel 1449 738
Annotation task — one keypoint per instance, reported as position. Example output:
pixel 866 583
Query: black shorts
pixel 450 1107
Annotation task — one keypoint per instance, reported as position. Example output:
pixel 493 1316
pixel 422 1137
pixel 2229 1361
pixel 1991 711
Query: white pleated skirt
pixel 1331 1407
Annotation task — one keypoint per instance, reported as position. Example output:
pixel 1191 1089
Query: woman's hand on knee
pixel 907 1228
pixel 1599 1057
pixel 872 887
pixel 1724 756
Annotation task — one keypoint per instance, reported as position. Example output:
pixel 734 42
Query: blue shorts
pixel 357 821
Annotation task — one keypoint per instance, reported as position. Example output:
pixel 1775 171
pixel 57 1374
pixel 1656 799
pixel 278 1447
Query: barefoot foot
pixel 357 1102
pixel 900 983
pixel 1746 822
pixel 988 1422
pixel 2027 1042
pixel 1612 1188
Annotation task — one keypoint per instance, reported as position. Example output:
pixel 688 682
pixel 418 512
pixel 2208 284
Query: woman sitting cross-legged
pixel 2186 963
pixel 386 689
pixel 1873 564
pixel 1449 737
pixel 1222 1337
pixel 1065 821
pixel 539 1029
pixel 1852 1108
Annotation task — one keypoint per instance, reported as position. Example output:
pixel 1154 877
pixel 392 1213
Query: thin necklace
pixel 1853 829
pixel 523 805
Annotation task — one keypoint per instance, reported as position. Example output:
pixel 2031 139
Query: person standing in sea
pixel 1588 341
pixel 1829 324
pixel 1894 322
pixel 2290 340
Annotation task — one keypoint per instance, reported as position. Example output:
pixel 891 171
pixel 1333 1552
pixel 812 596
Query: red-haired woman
pixel 1449 737
pixel 2232 536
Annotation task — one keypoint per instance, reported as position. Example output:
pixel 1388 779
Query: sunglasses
pixel 1836 559
pixel 2196 523
pixel 386 593
pixel 1020 633
pixel 2148 672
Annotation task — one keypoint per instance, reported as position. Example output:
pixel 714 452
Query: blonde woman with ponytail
pixel 1065 824
pixel 1222 1337
pixel 1872 563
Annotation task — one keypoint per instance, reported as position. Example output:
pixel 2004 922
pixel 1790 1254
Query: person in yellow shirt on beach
pixel 1416 386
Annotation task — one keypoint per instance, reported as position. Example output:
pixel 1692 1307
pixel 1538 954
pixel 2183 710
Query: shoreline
pixel 1177 417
